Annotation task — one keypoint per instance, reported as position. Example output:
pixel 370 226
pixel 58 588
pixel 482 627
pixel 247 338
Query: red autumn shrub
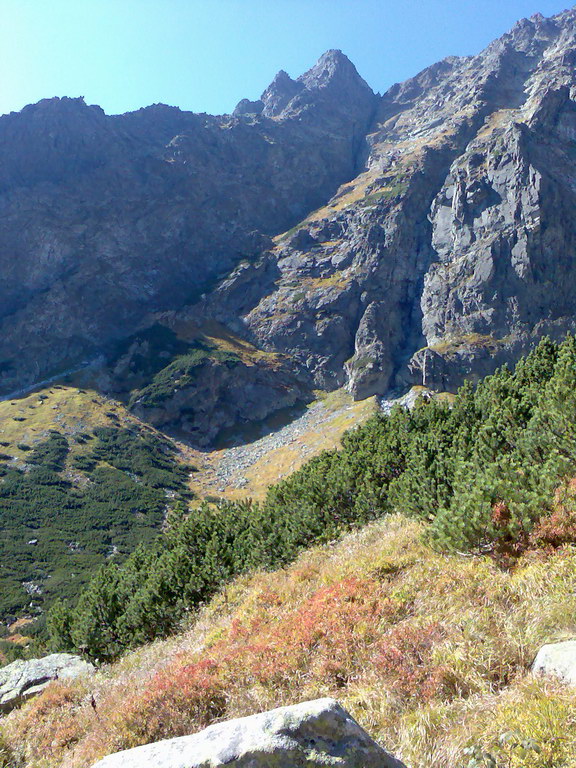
pixel 558 528
pixel 180 698
pixel 324 640
pixel 52 718
pixel 404 662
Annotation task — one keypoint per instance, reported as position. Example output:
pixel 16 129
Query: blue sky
pixel 205 55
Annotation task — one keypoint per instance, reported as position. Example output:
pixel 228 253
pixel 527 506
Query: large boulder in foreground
pixel 22 679
pixel 558 660
pixel 314 733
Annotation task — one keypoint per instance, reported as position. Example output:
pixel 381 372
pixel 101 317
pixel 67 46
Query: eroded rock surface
pixel 376 242
pixel 454 249
pixel 557 660
pixel 22 679
pixel 108 219
pixel 315 733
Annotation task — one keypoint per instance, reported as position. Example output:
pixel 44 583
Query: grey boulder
pixel 558 660
pixel 22 679
pixel 313 733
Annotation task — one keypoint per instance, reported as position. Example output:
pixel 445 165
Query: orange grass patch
pixel 418 646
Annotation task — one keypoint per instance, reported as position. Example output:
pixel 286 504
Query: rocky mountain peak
pixel 279 93
pixel 564 17
pixel 332 64
pixel 59 111
pixel 52 139
pixel 332 82
pixel 530 35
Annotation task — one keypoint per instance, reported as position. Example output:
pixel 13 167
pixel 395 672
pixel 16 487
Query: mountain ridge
pixel 426 247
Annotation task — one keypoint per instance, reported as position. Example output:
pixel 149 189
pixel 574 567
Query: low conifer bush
pixel 483 474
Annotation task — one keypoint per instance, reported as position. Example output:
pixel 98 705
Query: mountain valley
pixel 288 416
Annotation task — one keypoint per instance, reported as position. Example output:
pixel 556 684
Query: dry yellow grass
pixel 431 654
pixel 223 338
pixel 341 414
pixel 71 410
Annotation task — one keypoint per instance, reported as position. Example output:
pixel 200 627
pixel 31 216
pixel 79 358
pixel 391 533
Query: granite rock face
pixel 107 220
pixel 315 733
pixel 22 679
pixel 557 660
pixel 454 250
pixel 374 242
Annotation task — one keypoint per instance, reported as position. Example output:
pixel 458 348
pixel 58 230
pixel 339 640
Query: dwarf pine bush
pixel 481 474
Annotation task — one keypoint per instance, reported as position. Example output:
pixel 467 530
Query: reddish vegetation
pixel 558 528
pixel 403 636
pixel 178 695
pixel 553 530
pixel 342 632
pixel 404 662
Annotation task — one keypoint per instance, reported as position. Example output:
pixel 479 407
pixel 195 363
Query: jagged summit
pixel 428 232
pixel 52 107
pixel 567 16
pixel 333 72
pixel 332 65
pixel 280 91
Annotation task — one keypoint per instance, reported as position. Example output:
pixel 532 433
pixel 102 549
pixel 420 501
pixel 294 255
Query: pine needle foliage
pixel 481 473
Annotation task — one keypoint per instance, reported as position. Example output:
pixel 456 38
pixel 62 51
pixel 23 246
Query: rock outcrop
pixel 315 733
pixel 454 249
pixel 557 660
pixel 22 679
pixel 375 242
pixel 108 219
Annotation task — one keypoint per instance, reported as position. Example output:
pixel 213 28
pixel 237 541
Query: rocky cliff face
pixel 109 219
pixel 431 238
pixel 453 249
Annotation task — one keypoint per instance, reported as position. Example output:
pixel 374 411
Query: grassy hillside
pixel 430 652
pixel 85 505
pixel 81 482
pixel 424 624
pixel 480 472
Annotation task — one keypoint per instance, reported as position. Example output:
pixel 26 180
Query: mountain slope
pixel 108 219
pixel 429 652
pixel 82 483
pixel 431 238
pixel 455 245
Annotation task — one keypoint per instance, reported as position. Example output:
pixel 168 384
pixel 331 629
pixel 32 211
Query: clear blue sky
pixel 205 55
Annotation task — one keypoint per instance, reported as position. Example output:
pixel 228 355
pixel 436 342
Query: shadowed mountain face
pixel 428 233
pixel 107 219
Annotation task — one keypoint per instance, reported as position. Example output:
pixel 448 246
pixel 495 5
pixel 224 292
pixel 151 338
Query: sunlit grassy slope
pixel 72 410
pixel 273 454
pixel 48 549
pixel 430 652
pixel 81 481
pixel 26 420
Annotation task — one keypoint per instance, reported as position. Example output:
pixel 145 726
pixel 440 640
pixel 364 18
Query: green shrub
pixel 481 473
pixel 78 529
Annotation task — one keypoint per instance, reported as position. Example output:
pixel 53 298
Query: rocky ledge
pixel 23 679
pixel 314 733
